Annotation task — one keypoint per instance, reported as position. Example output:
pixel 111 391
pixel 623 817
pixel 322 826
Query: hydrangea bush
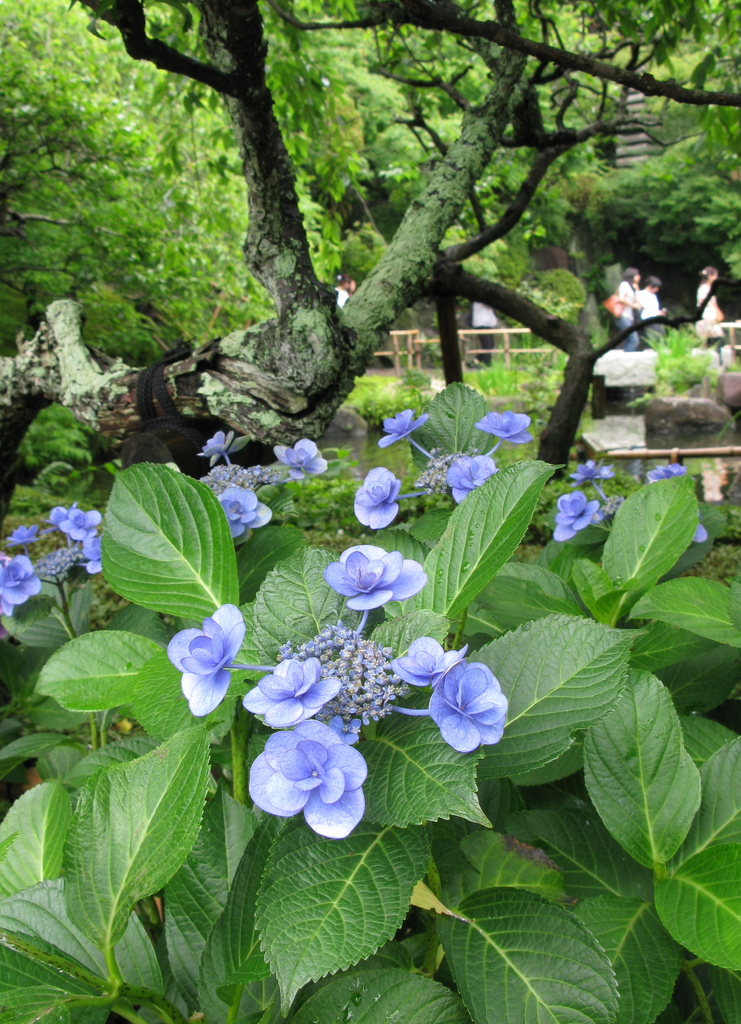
pixel 418 782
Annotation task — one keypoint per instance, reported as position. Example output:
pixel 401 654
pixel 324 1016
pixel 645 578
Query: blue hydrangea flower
pixel 78 525
pixel 243 510
pixel 375 503
pixel 205 656
pixel 468 473
pixel 589 471
pixel 400 426
pixel 507 426
pixel 666 472
pixel 426 663
pixel 469 707
pixel 91 551
pixel 310 769
pixel 701 534
pixel 349 732
pixel 370 576
pixel 303 458
pixel 24 535
pixel 574 514
pixel 17 583
pixel 293 693
pixel 221 445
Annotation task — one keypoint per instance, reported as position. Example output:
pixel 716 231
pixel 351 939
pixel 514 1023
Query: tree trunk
pixel 557 438
pixel 449 344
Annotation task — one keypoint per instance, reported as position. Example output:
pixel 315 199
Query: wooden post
pixel 397 363
pixel 418 347
pixel 410 351
pixel 507 358
pixel 599 397
pixel 449 347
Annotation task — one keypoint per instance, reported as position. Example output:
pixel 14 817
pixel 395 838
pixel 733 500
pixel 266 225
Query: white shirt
pixel 711 311
pixel 483 315
pixel 649 304
pixel 625 293
pixel 342 296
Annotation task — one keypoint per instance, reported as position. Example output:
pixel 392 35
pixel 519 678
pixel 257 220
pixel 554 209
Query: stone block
pixel 674 415
pixel 627 369
pixel 346 423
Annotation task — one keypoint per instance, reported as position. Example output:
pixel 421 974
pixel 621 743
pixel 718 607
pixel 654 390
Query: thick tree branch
pixel 128 17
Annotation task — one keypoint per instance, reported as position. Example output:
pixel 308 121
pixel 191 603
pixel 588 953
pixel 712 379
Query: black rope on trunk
pixel 150 384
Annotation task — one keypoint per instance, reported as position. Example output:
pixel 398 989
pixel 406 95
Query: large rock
pixel 674 415
pixel 729 389
pixel 627 369
pixel 346 423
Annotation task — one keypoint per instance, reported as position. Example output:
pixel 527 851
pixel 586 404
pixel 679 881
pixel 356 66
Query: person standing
pixel 709 327
pixel 627 295
pixel 648 299
pixel 484 316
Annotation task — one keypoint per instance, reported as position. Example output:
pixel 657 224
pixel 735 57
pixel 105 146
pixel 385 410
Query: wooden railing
pixel 411 346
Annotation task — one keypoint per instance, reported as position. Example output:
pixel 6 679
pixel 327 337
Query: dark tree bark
pixel 449 342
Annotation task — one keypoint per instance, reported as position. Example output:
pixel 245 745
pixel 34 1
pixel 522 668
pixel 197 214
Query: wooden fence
pixel 407 345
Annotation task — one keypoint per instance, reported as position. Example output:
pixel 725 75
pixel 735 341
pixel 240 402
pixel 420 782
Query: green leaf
pixel 166 543
pixel 95 671
pixel 39 622
pixel 703 736
pixel 700 904
pixel 399 633
pixel 597 590
pixel 714 520
pixel 727 989
pixel 41 817
pixel 261 552
pixel 454 414
pixel 142 621
pixel 415 776
pixel 697 605
pixel 232 956
pixel 128 749
pixel 430 527
pixel 593 864
pixel 396 539
pixel 659 645
pixel 6 843
pixel 26 747
pixel 702 682
pixel 502 861
pixel 718 819
pixel 40 915
pixel 376 997
pixel 639 776
pixel 156 698
pixel 572 760
pixel 144 817
pixel 646 960
pixel 559 674
pixel 324 904
pixel 522 952
pixel 295 603
pixel 482 535
pixel 519 593
pixel 651 530
pixel 196 895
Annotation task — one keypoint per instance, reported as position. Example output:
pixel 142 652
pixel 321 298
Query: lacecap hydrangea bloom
pixel 17 583
pixel 205 657
pixel 468 473
pixel 574 513
pixel 401 426
pixel 468 707
pixel 426 663
pixel 303 458
pixel 507 426
pixel 293 693
pixel 370 576
pixel 310 769
pixel 376 502
pixel 243 511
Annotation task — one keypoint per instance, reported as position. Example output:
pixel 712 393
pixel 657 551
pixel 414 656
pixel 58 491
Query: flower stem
pixel 415 712
pixel 240 739
pixel 459 635
pixel 233 1011
pixel 419 447
pixel 702 999
pixel 361 624
pixel 93 731
pixel 65 613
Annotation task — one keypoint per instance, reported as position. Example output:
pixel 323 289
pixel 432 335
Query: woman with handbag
pixel 625 306
pixel 709 327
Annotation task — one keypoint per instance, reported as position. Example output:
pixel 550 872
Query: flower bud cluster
pixel 222 477
pixel 54 568
pixel 368 683
pixel 434 480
